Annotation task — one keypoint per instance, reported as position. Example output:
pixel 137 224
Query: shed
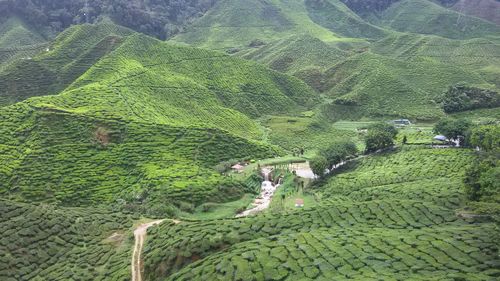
pixel 402 122
pixel 299 203
pixel 441 138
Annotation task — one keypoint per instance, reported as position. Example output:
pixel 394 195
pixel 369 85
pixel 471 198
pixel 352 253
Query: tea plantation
pixel 389 216
pixel 426 174
pixel 42 242
pixel 146 123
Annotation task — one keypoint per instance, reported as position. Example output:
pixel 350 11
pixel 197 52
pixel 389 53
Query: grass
pixel 308 133
pixel 219 210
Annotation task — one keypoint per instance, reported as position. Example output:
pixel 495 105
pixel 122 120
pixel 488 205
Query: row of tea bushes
pixel 42 242
pixel 449 253
pixel 171 247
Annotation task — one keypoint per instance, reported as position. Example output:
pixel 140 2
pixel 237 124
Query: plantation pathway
pixel 140 235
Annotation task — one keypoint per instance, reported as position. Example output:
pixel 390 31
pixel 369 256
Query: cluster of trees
pixel 461 98
pixel 160 18
pixel 380 136
pixel 454 129
pixel 333 155
pixel 482 179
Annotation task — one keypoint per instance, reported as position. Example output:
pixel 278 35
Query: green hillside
pixel 240 24
pixel 18 41
pixel 305 57
pixel 65 59
pixel 337 17
pixel 426 17
pixel 374 85
pixel 399 223
pixel 146 123
pixel 41 242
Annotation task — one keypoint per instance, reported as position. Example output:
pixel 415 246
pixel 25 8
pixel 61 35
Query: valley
pixel 249 140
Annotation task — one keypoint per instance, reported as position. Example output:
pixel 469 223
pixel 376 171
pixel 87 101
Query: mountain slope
pixel 59 64
pixel 18 41
pixel 238 23
pixel 143 126
pixel 485 9
pixel 425 17
pixel 375 85
pixel 305 57
pixel 42 242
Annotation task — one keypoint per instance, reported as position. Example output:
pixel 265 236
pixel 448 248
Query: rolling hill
pixel 485 9
pixel 41 242
pixel 147 121
pixel 426 17
pixel 395 225
pixel 18 41
pixel 242 24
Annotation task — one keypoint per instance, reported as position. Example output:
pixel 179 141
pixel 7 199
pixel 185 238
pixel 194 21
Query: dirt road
pixel 140 235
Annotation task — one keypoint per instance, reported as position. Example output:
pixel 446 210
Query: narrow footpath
pixel 140 235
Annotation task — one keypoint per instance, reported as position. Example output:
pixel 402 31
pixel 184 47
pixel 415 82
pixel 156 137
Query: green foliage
pixel 482 179
pixel 455 129
pixel 311 134
pixel 339 19
pixel 239 23
pixel 319 164
pixel 486 137
pixel 143 127
pixel 412 172
pixel 426 17
pixel 380 136
pixel 460 98
pixel 43 242
pixel 338 152
pixel 167 19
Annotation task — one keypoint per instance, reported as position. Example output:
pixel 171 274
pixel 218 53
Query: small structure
pixel 299 203
pixel 441 138
pixel 238 168
pixel 401 122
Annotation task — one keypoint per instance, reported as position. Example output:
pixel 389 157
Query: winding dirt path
pixel 140 235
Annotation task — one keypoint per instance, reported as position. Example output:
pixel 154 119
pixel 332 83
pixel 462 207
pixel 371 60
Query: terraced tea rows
pixel 41 242
pixel 120 161
pixel 362 254
pixel 60 63
pixel 418 173
pixel 171 247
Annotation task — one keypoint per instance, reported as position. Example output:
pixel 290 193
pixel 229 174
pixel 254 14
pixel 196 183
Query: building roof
pixel 440 138
pixel 299 201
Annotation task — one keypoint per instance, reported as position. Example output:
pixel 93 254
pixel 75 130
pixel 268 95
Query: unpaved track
pixel 140 235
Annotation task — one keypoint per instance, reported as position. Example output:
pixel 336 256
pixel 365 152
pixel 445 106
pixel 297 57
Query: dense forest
pixel 160 18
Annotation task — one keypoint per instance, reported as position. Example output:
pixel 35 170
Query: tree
pixel 385 127
pixel 339 151
pixel 376 140
pixel 318 165
pixel 486 137
pixel 454 129
pixel 482 178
